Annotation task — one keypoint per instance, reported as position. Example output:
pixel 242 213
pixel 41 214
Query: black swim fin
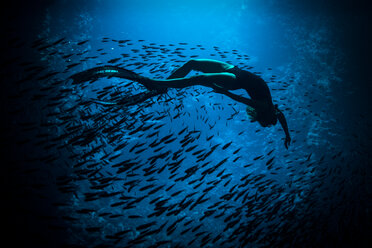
pixel 104 71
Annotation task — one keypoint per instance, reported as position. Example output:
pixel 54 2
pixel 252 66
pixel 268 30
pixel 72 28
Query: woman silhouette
pixel 218 75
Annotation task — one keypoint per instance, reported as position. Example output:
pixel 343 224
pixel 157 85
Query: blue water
pixel 74 176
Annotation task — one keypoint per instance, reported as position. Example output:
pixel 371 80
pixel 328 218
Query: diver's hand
pixel 287 141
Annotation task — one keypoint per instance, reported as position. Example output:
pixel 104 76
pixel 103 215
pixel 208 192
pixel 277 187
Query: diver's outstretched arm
pixel 235 97
pixel 283 122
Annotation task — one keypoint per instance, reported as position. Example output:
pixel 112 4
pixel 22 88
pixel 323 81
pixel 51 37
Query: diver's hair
pixel 252 113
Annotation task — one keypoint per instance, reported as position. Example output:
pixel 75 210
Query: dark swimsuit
pixel 255 86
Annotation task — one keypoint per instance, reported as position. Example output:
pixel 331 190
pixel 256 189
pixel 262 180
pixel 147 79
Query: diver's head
pixel 265 116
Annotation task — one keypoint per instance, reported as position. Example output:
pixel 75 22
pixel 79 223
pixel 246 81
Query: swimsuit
pixel 255 86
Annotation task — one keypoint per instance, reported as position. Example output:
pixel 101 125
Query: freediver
pixel 219 76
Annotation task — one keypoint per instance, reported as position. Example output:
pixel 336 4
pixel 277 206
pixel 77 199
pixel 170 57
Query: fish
pixel 196 228
pixel 227 145
pixel 138 144
pixel 236 159
pixel 237 150
pixel 270 161
pixel 155 190
pixel 258 157
pixel 191 148
pixel 112 61
pixel 269 153
pixel 82 42
pixel 58 41
pixel 185 231
pixel 308 157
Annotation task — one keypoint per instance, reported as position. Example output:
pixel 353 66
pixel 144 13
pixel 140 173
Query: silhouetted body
pixel 218 75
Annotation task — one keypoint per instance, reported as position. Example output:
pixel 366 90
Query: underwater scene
pixel 209 123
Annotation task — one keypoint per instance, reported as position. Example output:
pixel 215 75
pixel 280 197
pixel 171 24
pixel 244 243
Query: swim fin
pixel 105 71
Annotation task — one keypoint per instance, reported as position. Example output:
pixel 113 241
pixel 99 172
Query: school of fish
pixel 181 169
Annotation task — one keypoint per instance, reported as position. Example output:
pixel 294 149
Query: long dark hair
pixel 265 116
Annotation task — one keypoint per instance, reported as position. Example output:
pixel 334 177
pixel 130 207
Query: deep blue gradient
pixel 81 174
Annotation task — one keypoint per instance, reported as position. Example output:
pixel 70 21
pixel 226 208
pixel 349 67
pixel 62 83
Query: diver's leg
pixel 223 79
pixel 202 65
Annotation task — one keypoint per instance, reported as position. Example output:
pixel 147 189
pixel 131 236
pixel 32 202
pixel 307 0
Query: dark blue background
pixel 321 48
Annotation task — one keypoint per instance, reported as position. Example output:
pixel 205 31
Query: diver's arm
pixel 235 97
pixel 283 122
